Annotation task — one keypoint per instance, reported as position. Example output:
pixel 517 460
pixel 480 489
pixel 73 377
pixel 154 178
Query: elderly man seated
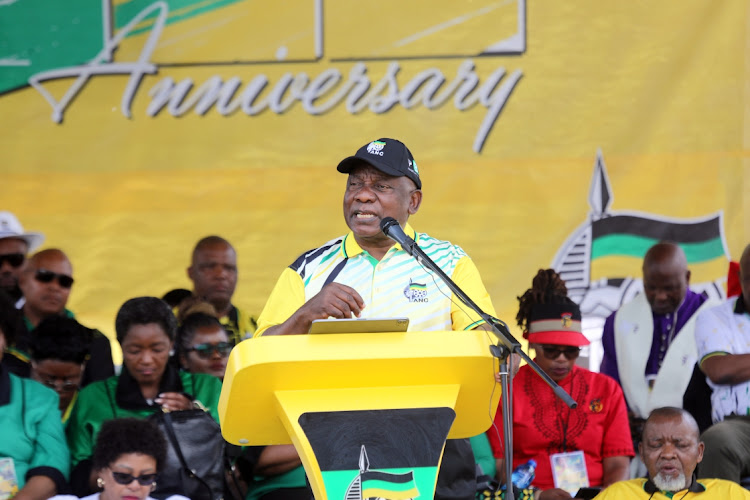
pixel 671 449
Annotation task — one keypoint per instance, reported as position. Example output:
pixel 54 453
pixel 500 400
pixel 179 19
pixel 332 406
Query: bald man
pixel 722 334
pixel 213 271
pixel 649 343
pixel 46 282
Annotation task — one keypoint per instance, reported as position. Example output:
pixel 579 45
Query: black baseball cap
pixel 389 156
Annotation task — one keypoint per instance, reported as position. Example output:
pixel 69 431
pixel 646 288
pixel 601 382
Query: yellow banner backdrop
pixel 132 128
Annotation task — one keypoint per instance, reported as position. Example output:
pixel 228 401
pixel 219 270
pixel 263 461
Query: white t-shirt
pixel 720 330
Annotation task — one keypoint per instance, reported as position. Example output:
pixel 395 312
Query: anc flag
pixel 376 484
pixel 619 242
pixel 629 235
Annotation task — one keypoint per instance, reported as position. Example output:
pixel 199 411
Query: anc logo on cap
pixel 413 166
pixel 566 319
pixel 376 148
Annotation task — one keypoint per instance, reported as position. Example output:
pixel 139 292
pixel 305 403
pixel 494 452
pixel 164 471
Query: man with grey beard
pixel 671 449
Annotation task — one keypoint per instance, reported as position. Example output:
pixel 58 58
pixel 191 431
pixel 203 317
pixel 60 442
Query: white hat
pixel 11 228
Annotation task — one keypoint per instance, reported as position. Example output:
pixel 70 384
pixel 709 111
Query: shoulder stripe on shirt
pixel 311 255
pixel 335 272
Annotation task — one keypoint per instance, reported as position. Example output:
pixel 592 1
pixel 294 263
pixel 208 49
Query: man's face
pixel 10 249
pixel 671 450
pixel 46 298
pixel 665 285
pixel 372 196
pixel 214 273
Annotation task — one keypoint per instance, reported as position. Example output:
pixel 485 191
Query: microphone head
pixel 387 223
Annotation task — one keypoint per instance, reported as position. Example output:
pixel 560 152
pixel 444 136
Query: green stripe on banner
pixel 179 10
pixel 627 245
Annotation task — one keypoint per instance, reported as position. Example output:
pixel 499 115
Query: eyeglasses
pixel 14 259
pixel 552 352
pixel 45 276
pixel 143 479
pixel 205 351
pixel 59 384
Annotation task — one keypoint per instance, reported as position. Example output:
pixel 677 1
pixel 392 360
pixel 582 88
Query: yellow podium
pixel 368 413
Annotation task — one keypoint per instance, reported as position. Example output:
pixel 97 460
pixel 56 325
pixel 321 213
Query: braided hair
pixel 546 288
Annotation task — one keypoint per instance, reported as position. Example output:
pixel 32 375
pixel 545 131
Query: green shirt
pixel 31 432
pixel 97 403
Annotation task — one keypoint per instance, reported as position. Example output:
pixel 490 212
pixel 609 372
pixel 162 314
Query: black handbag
pixel 195 455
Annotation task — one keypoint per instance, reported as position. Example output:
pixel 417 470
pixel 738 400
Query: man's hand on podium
pixel 333 301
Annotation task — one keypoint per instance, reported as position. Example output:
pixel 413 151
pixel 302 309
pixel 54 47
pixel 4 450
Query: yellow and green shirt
pixel 395 286
pixel 701 489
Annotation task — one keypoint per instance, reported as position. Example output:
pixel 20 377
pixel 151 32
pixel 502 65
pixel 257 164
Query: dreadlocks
pixel 546 288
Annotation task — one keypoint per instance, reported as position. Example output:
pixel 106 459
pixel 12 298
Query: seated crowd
pixel 75 427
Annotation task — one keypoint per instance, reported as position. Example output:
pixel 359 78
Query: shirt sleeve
pixel 51 450
pixel 711 334
pixel 287 296
pixel 466 276
pixel 81 429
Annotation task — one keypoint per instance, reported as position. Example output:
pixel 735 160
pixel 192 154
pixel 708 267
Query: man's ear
pixel 687 277
pixel 415 200
pixel 640 452
pixel 701 447
pixel 190 273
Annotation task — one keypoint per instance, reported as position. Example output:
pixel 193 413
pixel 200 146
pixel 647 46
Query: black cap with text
pixel 389 156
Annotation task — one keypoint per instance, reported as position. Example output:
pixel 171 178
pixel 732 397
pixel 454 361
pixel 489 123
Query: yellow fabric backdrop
pixel 660 88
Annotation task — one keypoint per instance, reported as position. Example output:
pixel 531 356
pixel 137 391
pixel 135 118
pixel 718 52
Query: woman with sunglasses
pixel 128 457
pixel 148 383
pixel 543 426
pixel 203 345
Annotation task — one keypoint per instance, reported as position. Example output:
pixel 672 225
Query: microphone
pixel 392 229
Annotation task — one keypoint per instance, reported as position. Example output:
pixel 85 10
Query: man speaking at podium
pixel 365 274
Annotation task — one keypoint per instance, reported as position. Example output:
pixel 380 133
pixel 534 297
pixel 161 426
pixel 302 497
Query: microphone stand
pixel 507 345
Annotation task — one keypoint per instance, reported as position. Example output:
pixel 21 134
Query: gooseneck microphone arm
pixel 393 230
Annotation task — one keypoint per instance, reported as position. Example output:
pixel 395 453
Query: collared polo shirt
pixel 395 286
pixel 701 489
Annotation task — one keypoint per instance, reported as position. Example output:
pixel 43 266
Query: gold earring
pixel 100 482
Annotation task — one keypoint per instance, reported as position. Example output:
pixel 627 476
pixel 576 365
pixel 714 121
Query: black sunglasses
pixel 205 351
pixel 14 259
pixel 552 352
pixel 143 479
pixel 45 276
